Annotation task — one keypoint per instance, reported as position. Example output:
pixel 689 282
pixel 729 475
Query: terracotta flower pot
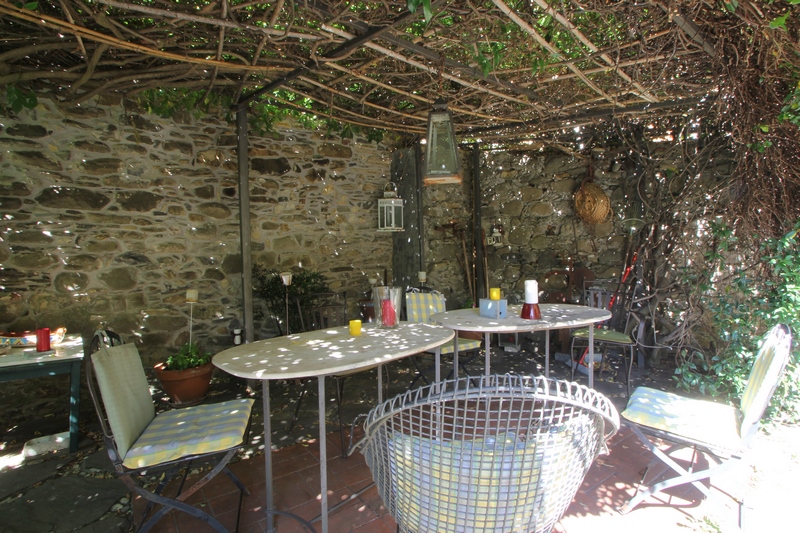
pixel 185 387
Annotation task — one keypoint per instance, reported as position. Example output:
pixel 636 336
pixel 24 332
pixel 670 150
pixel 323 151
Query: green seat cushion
pixel 464 345
pixel 604 335
pixel 191 431
pixel 702 421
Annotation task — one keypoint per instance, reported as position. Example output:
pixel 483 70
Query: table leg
pixel 380 388
pixel 547 353
pixel 323 455
pixel 437 355
pixel 455 357
pixel 268 455
pixel 74 404
pixel 487 336
pixel 590 366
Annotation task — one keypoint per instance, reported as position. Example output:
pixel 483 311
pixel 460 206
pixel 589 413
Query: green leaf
pixel 426 8
pixel 779 22
pixel 427 11
pixel 19 99
pixel 731 6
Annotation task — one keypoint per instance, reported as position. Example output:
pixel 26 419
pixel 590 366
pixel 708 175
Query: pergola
pixel 517 75
pixel 509 70
pixel 525 74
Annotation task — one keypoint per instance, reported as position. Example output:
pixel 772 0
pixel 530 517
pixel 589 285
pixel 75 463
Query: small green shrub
pixel 267 284
pixel 189 356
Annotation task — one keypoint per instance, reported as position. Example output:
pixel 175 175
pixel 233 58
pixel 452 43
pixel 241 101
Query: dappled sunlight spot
pixel 11 461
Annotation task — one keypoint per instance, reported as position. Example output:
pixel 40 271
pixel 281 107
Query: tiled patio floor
pixel 769 476
pixel 609 483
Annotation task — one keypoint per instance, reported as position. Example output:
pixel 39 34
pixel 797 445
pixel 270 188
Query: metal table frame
pixel 25 363
pixel 554 316
pixel 319 354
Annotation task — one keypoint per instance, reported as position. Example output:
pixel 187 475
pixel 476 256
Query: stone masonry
pixel 111 214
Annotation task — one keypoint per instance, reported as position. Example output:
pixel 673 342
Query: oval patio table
pixel 323 353
pixel 554 316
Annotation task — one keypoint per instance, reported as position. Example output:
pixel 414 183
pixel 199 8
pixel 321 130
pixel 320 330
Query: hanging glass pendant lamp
pixel 442 164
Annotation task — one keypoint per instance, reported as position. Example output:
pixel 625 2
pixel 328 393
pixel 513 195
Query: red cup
pixel 42 339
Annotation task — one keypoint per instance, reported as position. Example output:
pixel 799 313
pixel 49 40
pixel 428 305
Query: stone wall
pixel 529 194
pixel 111 214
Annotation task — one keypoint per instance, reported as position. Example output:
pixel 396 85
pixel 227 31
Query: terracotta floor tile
pixel 608 485
pixel 292 491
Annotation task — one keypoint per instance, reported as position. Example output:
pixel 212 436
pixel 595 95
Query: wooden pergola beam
pixel 370 33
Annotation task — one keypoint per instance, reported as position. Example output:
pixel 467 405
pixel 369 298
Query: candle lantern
pixel 390 210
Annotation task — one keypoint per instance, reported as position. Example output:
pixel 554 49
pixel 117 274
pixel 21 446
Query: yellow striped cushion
pixel 702 421
pixel 421 305
pixel 464 345
pixel 190 431
pixel 765 376
pixel 419 308
pixel 125 392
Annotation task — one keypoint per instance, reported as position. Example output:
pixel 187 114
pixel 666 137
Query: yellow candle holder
pixel 355 328
pixel 494 294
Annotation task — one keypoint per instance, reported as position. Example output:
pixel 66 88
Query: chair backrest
pixel 127 407
pixel 322 310
pixel 104 337
pixel 764 378
pixel 601 295
pixel 421 305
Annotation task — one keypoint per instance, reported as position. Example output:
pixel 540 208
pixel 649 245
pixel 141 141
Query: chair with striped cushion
pixel 420 306
pixel 721 432
pixel 142 443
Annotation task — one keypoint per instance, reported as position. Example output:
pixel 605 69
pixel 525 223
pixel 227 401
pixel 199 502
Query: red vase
pixel 531 312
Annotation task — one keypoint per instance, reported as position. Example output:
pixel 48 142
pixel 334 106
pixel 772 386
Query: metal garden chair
pixel 321 311
pixel 613 334
pixel 143 444
pixel 722 432
pixel 496 454
pixel 420 306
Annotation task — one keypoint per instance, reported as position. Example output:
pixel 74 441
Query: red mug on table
pixel 42 339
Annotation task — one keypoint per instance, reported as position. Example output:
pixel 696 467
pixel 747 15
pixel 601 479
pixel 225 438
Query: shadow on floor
pixel 46 493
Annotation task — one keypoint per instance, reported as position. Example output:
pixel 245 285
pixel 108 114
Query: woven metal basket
pixel 496 454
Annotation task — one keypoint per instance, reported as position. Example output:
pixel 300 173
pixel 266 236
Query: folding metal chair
pixel 420 306
pixel 142 444
pixel 614 333
pixel 722 432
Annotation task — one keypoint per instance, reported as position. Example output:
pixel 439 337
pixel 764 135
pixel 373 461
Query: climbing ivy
pixel 20 99
pixel 262 116
pixel 756 297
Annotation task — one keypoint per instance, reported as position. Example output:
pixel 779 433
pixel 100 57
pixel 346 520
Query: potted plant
pixel 186 375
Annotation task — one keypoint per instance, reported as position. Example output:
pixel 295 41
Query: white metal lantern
pixel 390 210
pixel 442 164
